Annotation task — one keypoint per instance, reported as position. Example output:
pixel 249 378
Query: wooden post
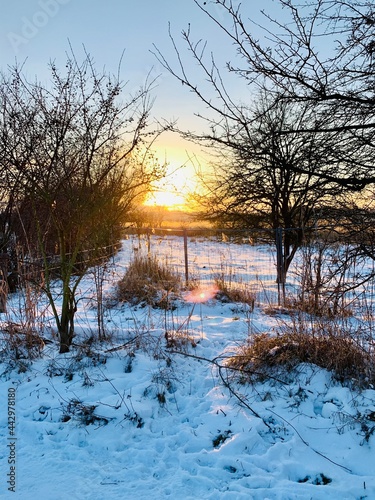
pixel 186 258
pixel 280 265
pixel 148 234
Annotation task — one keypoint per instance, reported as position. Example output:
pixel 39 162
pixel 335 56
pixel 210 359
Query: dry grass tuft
pixel 231 288
pixel 149 281
pixel 267 355
pixel 179 340
pixel 229 291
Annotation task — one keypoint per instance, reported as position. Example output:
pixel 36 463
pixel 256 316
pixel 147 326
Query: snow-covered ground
pixel 136 421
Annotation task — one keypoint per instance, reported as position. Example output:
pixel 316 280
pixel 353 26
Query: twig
pixel 226 384
pixel 307 444
pixel 122 346
pixel 115 389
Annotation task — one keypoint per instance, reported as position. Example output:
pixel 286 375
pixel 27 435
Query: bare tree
pixel 258 180
pixel 321 54
pixel 74 158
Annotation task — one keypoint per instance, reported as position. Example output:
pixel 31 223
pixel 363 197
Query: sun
pixel 167 198
pixel 175 191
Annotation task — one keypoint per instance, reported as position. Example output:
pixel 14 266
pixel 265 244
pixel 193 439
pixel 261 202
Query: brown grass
pixel 229 291
pixel 319 306
pixel 340 355
pixel 148 281
pixel 22 342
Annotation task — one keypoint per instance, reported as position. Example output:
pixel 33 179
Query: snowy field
pixel 137 421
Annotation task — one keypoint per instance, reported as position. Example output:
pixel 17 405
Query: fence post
pixel 280 264
pixel 148 235
pixel 186 258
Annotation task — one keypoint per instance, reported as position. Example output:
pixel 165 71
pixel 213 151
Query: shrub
pixel 149 281
pixel 319 305
pixel 339 354
pixel 22 342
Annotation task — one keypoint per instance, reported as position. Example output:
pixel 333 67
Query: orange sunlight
pixel 172 192
pixel 168 199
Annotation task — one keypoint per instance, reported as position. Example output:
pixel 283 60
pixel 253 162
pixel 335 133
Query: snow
pixel 166 425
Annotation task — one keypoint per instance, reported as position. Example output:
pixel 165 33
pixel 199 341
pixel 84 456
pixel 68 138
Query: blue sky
pixel 37 31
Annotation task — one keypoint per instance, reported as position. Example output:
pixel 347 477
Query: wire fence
pixel 327 267
pixel 239 258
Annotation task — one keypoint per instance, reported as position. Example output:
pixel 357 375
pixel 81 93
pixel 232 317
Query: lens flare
pixel 201 294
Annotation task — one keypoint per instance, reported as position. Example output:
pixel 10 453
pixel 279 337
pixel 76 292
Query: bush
pixel 149 281
pixel 267 355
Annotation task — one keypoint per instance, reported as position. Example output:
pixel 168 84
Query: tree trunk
pixel 4 259
pixel 66 328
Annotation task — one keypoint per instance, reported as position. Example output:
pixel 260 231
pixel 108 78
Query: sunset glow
pixel 166 198
pixel 180 181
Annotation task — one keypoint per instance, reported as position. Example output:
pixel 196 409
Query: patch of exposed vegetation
pixel 149 281
pixel 267 355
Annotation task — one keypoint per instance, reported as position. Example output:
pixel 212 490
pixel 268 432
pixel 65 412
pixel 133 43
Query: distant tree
pixel 73 158
pixel 148 216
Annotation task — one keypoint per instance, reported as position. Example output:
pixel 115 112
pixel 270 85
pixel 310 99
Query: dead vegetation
pixel 149 281
pixel 279 355
pixel 21 342
pixel 230 290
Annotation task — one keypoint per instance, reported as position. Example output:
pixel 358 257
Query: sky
pixel 35 32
